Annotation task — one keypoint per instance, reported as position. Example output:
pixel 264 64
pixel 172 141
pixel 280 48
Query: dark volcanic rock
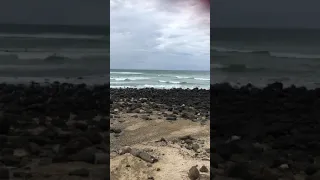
pixel 278 129
pixel 194 173
pixel 77 145
pixel 5 124
pixel 4 173
pixel 80 172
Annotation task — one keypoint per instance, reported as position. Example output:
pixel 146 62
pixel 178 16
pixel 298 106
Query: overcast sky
pixel 270 13
pixel 157 34
pixel 84 12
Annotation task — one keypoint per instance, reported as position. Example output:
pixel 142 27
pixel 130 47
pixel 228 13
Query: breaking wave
pixel 129 78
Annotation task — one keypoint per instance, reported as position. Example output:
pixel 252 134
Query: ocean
pixel 263 56
pixel 161 79
pixel 47 53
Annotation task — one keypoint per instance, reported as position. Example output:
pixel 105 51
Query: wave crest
pixel 268 53
pixel 236 68
pixel 127 73
pixel 129 78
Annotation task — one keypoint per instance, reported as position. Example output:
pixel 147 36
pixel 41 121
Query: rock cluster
pixel 56 123
pixel 269 133
pixel 169 105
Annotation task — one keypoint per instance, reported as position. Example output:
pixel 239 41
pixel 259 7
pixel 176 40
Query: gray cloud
pixel 271 13
pixel 84 12
pixel 149 36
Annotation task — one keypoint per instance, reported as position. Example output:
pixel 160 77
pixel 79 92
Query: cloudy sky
pixel 159 34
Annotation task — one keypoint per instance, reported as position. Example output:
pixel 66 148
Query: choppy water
pixel 262 56
pixel 49 53
pixel 164 79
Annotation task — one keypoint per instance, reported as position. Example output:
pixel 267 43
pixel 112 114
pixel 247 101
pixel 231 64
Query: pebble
pixel 194 173
pixel 204 169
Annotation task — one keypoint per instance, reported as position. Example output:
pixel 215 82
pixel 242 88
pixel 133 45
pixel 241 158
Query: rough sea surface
pixel 48 53
pixel 160 79
pixel 263 56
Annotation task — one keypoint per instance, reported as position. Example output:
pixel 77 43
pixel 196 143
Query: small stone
pixel 311 169
pixel 147 157
pixel 204 169
pixel 188 141
pixel 115 130
pixel 284 166
pixel 20 153
pixel 135 152
pixel 124 150
pixel 194 173
pixel 145 117
pixel 233 138
pixel 195 147
pixel 171 118
pixel 186 137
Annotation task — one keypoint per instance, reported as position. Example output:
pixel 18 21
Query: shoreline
pixel 269 133
pixel 265 133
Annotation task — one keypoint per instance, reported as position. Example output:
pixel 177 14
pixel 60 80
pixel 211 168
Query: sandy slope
pixel 174 159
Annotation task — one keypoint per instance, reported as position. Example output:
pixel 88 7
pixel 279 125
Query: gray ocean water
pixel 161 79
pixel 263 56
pixel 54 53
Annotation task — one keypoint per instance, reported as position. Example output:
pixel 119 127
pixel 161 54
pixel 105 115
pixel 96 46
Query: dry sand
pixel 174 159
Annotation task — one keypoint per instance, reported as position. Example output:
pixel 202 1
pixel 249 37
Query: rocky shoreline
pixel 54 131
pixel 267 134
pixel 160 134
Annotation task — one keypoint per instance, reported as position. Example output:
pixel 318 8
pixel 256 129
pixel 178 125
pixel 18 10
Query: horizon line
pixel 159 69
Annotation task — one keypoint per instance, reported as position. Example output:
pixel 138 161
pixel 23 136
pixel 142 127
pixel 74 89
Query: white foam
pixel 125 73
pixel 129 78
pixel 202 79
pixel 183 77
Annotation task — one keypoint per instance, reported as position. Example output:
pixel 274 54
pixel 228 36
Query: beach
pixel 159 133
